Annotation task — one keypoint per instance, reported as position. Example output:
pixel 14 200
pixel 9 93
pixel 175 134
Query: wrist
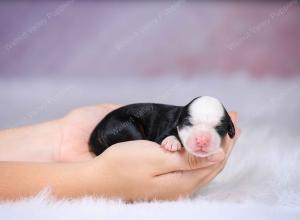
pixel 76 182
pixel 37 143
pixel 98 179
pixel 22 179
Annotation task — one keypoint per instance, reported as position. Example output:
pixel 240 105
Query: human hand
pixel 76 128
pixel 142 170
pixel 133 170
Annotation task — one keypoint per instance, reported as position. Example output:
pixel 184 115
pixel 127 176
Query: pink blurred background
pixel 149 38
pixel 59 55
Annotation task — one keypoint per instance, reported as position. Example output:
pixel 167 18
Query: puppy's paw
pixel 171 143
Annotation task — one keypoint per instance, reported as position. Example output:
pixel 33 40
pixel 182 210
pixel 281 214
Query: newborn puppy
pixel 198 127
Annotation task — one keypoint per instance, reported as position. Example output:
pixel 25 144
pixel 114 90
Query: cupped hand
pixel 142 170
pixel 76 128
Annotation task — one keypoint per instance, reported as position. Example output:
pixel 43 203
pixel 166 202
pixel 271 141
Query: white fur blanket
pixel 260 181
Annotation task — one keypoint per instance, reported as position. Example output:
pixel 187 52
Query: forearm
pixel 30 143
pixel 22 179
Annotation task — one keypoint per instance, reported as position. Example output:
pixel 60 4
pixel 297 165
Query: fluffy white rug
pixel 260 181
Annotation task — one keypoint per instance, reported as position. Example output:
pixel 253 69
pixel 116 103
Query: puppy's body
pixel 199 126
pixel 141 121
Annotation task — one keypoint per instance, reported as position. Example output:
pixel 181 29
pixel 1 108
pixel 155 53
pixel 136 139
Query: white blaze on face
pixel 201 138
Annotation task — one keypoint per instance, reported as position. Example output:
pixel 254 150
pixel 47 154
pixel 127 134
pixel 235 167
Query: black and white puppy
pixel 198 127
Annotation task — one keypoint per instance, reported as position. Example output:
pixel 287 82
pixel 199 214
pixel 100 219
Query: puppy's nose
pixel 203 142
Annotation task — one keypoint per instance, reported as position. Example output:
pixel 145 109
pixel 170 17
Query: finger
pixel 191 180
pixel 211 173
pixel 182 161
pixel 172 185
pixel 186 182
pixel 233 116
pixel 162 161
pixel 110 106
pixel 206 176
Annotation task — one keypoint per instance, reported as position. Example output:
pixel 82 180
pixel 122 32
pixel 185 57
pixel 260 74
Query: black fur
pixel 226 126
pixel 145 121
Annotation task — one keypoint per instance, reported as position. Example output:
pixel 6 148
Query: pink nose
pixel 203 142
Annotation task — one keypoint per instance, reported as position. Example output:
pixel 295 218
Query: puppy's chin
pixel 201 153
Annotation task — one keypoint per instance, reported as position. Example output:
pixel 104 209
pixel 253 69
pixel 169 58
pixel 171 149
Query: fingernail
pixel 216 157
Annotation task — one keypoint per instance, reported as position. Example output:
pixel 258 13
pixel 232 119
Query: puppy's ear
pixel 230 128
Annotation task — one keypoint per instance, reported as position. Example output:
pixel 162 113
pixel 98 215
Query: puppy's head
pixel 203 124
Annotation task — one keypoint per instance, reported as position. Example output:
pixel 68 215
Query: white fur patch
pixel 206 110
